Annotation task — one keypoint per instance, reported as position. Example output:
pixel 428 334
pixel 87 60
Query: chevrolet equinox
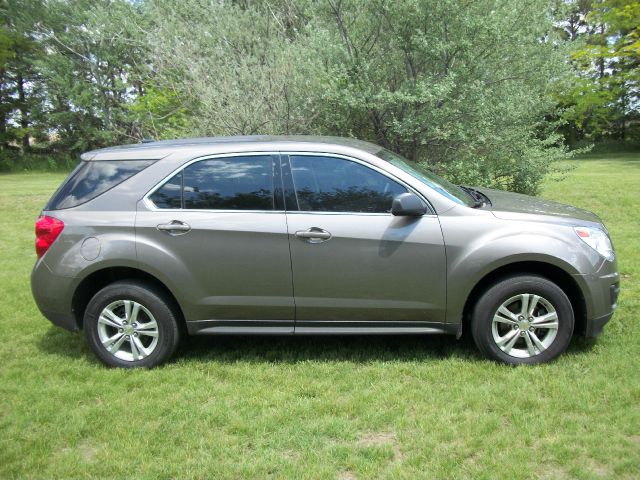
pixel 143 244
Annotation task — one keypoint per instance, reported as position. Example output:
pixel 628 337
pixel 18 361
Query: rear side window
pixel 233 183
pixel 91 179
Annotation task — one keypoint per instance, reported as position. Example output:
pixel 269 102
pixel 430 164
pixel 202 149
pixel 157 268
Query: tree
pixel 604 99
pixel 462 86
pixel 92 69
pixel 235 66
pixel 21 94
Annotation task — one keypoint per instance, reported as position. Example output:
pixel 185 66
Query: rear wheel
pixel 131 324
pixel 523 319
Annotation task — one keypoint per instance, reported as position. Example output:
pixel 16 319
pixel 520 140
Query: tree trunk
pixel 3 118
pixel 22 106
pixel 601 60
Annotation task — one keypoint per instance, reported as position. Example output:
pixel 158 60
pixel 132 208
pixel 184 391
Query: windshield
pixel 443 186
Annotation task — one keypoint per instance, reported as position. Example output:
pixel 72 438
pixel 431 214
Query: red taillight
pixel 47 230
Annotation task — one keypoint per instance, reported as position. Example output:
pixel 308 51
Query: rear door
pixel 216 231
pixel 356 266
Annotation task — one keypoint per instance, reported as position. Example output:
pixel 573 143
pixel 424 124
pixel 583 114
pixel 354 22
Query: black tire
pixel 503 290
pixel 155 301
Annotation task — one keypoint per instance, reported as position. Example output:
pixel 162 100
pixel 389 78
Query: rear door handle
pixel 175 227
pixel 314 235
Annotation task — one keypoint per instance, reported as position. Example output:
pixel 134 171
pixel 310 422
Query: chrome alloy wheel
pixel 525 325
pixel 128 330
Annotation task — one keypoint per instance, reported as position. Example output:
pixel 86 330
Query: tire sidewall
pixel 153 301
pixel 507 288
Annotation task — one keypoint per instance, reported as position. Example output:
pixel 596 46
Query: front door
pixel 355 266
pixel 215 234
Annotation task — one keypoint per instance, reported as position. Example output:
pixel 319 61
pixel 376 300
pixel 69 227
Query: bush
pixel 461 87
pixel 16 161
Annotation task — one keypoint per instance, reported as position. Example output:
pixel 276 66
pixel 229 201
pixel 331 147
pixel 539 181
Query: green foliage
pixel 92 72
pixel 159 113
pixel 237 69
pixel 471 89
pixel 34 161
pixel 604 100
pixel 462 87
pixel 21 89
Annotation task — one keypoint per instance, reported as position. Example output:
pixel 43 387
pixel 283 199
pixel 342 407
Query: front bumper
pixel 594 327
pixel 600 291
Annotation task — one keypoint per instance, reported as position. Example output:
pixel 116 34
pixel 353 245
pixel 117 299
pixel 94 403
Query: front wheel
pixel 131 324
pixel 523 319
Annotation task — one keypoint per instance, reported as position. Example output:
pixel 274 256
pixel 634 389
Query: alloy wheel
pixel 525 325
pixel 128 330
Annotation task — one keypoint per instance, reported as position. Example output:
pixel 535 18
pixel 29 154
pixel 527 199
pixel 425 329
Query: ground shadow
pixel 62 343
pixel 580 345
pixel 349 348
pixel 285 349
pixel 294 349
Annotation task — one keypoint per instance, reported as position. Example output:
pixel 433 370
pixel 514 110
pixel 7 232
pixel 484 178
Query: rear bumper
pixel 64 320
pixel 53 294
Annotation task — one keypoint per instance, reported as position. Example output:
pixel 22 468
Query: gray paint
pixel 241 271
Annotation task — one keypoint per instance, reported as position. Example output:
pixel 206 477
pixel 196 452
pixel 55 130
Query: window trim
pixel 275 158
pixel 284 158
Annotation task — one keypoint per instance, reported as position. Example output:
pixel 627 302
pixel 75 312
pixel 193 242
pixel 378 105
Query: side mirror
pixel 408 205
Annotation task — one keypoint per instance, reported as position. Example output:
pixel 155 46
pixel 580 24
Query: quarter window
pixel 233 183
pixel 91 179
pixel 329 184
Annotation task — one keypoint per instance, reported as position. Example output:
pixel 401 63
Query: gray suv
pixel 143 244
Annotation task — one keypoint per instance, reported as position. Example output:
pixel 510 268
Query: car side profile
pixel 143 244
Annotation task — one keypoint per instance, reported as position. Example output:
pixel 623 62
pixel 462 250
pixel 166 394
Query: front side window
pixel 330 184
pixel 233 183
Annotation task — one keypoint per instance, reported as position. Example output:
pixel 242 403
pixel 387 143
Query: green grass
pixel 397 407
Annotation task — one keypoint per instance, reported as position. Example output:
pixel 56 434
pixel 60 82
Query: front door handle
pixel 314 235
pixel 175 227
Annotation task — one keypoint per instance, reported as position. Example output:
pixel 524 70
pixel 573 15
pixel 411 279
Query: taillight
pixel 47 230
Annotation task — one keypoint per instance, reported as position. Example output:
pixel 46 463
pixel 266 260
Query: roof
pixel 161 148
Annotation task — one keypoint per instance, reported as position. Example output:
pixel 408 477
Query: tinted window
pixel 170 194
pixel 234 183
pixel 326 184
pixel 90 179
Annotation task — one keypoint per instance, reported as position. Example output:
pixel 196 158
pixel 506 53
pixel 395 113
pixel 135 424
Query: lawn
pixel 345 408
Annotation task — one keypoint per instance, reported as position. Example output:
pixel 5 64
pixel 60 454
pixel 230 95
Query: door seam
pixel 286 221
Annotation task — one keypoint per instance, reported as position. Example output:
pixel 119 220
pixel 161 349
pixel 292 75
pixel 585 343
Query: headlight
pixel 596 239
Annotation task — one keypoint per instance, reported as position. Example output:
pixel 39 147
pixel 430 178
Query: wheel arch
pixel 99 279
pixel 549 271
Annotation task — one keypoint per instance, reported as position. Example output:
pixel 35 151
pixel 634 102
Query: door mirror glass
pixel 408 205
